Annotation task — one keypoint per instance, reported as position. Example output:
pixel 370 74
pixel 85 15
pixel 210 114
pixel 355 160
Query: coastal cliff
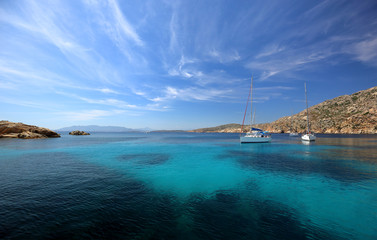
pixel 348 114
pixel 20 130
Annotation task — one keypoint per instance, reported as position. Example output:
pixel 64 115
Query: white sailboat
pixel 308 136
pixel 255 135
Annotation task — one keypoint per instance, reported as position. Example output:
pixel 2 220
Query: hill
pixel 352 114
pixel 228 128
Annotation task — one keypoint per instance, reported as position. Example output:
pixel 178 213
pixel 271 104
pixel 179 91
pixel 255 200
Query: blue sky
pixel 179 64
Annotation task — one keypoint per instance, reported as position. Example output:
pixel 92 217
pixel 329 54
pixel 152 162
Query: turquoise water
pixel 188 186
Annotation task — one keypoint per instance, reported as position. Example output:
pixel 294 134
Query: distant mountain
pixel 232 127
pixel 95 128
pixel 355 113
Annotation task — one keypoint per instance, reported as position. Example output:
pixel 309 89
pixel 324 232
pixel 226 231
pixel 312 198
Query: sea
pixel 188 186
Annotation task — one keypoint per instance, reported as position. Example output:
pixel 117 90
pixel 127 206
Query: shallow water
pixel 188 186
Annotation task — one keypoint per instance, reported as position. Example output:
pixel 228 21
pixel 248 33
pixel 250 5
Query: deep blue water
pixel 188 186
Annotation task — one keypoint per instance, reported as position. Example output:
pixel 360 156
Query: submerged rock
pixel 77 132
pixel 24 131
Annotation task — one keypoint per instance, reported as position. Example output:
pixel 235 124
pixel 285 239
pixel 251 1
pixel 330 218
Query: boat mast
pixel 307 111
pixel 254 117
pixel 251 104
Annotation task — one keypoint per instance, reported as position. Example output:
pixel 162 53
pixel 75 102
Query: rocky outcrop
pixel 77 132
pixel 352 114
pixel 30 135
pixel 349 114
pixel 20 130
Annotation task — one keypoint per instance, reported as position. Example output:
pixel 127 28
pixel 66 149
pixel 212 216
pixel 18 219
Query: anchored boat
pixel 255 135
pixel 308 136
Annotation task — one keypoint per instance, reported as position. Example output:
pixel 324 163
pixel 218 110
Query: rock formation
pixel 77 132
pixel 20 130
pixel 354 114
pixel 350 114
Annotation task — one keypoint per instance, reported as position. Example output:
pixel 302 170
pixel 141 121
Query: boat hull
pixel 308 137
pixel 255 139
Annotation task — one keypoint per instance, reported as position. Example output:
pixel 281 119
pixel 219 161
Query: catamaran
pixel 308 136
pixel 255 135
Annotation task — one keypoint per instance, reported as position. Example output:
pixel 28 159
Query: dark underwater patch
pixel 340 170
pixel 55 196
pixel 277 221
pixel 146 159
pixel 223 216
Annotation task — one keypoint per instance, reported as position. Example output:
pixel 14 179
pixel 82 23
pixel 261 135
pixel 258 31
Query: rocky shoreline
pixel 24 131
pixel 347 114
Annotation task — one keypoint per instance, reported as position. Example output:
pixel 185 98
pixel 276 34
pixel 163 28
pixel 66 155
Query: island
pixel 78 133
pixel 24 131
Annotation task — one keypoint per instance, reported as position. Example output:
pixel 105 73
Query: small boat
pixel 308 136
pixel 255 135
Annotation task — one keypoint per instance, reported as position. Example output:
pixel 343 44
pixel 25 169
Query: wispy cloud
pixel 30 103
pixel 290 60
pixel 89 114
pixel 192 94
pixel 114 57
pixel 122 24
pixel 365 50
pixel 269 51
pixel 107 90
pixel 35 78
pixel 47 25
pixel 120 31
pixel 117 103
pixel 182 68
pixel 173 41
pixel 109 102
pixel 302 47
pixel 225 56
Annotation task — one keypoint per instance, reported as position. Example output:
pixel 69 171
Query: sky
pixel 179 64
